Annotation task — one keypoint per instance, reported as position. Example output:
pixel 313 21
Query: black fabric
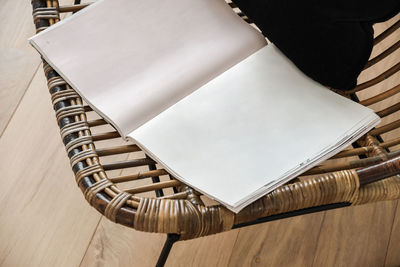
pixel 330 41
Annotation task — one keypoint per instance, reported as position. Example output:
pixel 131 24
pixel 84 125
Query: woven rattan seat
pixel 129 188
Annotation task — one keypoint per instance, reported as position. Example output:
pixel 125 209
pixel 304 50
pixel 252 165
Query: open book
pixel 202 93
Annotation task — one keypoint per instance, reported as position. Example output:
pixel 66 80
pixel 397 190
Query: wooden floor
pixel 45 221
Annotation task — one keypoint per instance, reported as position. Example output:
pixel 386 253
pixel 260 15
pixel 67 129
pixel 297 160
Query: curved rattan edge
pixel 385 169
pixel 191 220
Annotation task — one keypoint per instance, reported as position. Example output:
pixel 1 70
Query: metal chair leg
pixel 171 239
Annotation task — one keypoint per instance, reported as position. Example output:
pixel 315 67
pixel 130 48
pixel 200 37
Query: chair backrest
pixel 379 89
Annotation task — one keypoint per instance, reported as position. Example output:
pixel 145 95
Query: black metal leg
pixel 171 239
pixel 77 2
pixel 293 214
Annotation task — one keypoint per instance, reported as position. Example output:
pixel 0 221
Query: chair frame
pixel 182 214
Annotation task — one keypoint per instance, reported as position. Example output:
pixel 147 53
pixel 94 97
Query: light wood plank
pixel 355 236
pixel 17 67
pixel 44 219
pixel 393 255
pixel 212 250
pixel 18 61
pixel 287 242
pixel 17 24
pixel 117 245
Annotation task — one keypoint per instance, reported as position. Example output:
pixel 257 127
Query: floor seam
pixel 391 231
pixel 20 100
pixel 91 240
pixel 318 238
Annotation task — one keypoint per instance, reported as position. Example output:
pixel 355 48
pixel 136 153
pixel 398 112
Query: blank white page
pixel 249 127
pixel 132 59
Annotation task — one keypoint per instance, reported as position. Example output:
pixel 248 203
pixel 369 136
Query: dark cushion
pixel 330 41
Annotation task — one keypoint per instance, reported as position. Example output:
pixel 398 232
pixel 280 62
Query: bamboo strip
pixel 101 152
pixel 386 33
pixel 376 80
pixel 352 152
pixel 128 164
pixel 382 96
pixel 105 136
pixel 379 171
pixel 391 143
pixel 98 122
pixel 365 149
pixel 342 166
pixel 181 195
pixel 50 4
pixel 137 176
pixel 55 4
pixel 325 168
pixel 72 8
pixel 389 110
pixel 383 55
pixel 155 186
pixel 386 128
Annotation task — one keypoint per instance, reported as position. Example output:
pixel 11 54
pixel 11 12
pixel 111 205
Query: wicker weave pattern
pixel 181 216
pixel 176 208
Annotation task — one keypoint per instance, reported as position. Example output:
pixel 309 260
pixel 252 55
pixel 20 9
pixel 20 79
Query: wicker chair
pixel 147 198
